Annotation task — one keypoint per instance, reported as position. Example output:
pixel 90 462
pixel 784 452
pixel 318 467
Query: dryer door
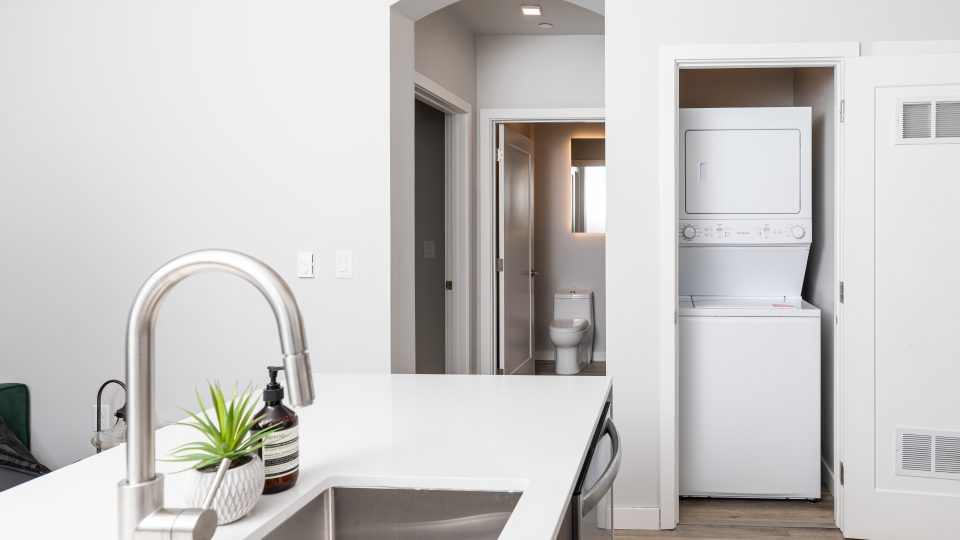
pixel 742 171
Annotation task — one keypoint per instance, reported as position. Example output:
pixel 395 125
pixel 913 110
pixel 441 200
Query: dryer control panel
pixel 745 231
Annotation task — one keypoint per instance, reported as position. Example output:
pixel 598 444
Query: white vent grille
pixel 947 454
pixel 948 119
pixel 928 120
pixel 932 454
pixel 916 122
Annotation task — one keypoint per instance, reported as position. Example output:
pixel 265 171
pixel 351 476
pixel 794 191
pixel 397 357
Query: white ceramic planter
pixel 238 494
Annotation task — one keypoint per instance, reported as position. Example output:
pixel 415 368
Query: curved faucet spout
pixel 139 492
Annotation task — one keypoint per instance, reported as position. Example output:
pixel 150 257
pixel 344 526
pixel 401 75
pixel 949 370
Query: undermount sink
pixel 400 514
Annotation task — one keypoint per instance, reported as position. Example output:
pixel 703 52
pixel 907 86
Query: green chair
pixel 15 410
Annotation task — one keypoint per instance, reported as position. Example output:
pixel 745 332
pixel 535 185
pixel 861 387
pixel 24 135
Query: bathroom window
pixel 588 174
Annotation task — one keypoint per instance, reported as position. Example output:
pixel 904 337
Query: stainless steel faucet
pixel 140 505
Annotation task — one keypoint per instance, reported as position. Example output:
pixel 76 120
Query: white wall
pixel 402 192
pixel 539 71
pixel 565 260
pixel 634 33
pixel 134 132
pixel 446 53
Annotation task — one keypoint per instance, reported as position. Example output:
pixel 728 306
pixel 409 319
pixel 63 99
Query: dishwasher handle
pixel 590 497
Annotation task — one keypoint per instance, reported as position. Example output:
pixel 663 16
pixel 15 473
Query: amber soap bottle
pixel 281 453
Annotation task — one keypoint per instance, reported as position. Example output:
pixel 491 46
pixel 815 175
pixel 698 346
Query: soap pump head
pixel 273 393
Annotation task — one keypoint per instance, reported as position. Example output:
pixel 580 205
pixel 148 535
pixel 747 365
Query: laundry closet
pixel 756 282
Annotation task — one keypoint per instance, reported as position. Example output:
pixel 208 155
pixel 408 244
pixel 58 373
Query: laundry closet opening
pixel 757 295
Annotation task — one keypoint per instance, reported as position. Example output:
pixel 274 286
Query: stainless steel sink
pixel 395 514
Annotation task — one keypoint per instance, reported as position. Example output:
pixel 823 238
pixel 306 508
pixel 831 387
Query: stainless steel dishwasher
pixel 590 512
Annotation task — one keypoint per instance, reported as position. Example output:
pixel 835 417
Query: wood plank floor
pixel 749 519
pixel 546 367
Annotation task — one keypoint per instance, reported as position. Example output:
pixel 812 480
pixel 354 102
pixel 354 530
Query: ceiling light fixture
pixel 533 9
pixel 545 25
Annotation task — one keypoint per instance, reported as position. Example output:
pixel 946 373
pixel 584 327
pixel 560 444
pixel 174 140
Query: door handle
pixel 448 285
pixel 534 273
pixel 590 498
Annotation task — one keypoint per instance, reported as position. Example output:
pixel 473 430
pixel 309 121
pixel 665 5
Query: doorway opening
pixel 505 64
pixel 441 230
pixel 430 233
pixel 549 228
pixel 706 498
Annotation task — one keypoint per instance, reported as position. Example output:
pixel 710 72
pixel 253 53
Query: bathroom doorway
pixel 550 236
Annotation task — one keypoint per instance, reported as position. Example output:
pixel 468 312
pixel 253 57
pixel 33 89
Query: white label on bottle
pixel 281 453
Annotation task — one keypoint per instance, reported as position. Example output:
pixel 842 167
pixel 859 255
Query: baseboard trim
pixel 826 474
pixel 637 518
pixel 551 355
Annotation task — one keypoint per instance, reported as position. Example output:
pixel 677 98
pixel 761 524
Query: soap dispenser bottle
pixel 281 452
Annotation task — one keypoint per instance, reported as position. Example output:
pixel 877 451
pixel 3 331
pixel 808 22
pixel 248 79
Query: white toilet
pixel 571 330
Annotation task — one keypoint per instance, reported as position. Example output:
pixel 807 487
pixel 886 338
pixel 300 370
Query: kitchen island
pixel 483 433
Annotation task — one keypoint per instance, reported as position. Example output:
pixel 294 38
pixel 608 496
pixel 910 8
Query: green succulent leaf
pixel 226 435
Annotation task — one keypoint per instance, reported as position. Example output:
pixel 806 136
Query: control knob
pixel 688 232
pixel 798 231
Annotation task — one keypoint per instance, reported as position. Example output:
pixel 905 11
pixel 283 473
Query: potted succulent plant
pixel 227 436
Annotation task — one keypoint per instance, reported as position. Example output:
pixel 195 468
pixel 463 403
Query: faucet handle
pixel 185 523
pixel 178 524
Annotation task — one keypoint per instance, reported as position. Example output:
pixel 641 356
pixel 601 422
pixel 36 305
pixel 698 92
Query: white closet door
pixel 901 352
pixel 516 250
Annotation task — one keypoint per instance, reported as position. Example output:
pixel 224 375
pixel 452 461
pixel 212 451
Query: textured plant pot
pixel 238 494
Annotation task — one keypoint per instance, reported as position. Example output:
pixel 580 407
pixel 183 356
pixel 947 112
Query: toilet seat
pixel 569 325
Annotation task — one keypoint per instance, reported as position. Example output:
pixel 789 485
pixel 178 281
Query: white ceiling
pixel 504 17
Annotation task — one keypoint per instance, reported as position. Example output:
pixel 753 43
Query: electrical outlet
pixel 106 416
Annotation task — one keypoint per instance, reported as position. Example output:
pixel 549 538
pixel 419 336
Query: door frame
pixel 458 221
pixel 487 345
pixel 673 58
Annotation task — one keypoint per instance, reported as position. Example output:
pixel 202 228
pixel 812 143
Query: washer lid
pixel 745 306
pixel 733 302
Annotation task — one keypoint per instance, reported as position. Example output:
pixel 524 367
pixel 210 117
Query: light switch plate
pixel 344 268
pixel 429 249
pixel 305 266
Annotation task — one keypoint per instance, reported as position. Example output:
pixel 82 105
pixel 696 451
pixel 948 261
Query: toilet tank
pixel 573 305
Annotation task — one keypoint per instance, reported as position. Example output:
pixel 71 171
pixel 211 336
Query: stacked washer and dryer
pixel 749 375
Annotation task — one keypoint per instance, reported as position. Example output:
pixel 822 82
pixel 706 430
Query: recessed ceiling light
pixel 545 25
pixel 533 9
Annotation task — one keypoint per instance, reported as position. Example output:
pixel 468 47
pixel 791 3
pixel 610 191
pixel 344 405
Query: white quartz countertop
pixel 517 433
